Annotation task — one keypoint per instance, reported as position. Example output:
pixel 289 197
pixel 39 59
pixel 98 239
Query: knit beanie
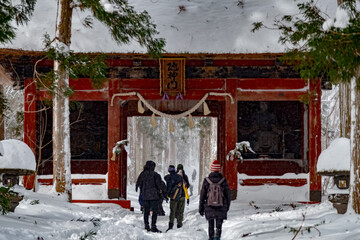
pixel 215 166
pixel 171 168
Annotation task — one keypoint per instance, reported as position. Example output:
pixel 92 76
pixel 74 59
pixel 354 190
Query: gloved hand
pixel 187 201
pixel 201 213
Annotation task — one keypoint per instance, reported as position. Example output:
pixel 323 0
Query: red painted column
pixel 230 167
pixel 314 140
pixel 113 137
pixel 30 99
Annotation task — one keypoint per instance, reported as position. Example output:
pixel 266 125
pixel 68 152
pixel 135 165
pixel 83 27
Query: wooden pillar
pixel 314 141
pixel 113 137
pixel 30 99
pixel 230 167
pixel 123 156
pixel 2 120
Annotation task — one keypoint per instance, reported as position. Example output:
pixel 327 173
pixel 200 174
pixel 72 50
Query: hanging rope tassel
pixel 153 120
pixel 171 126
pixel 206 109
pixel 140 107
pixel 191 122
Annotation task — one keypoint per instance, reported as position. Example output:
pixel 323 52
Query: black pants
pixel 161 211
pixel 150 205
pixel 212 233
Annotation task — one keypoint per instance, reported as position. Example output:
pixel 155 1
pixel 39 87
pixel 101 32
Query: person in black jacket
pixel 215 214
pixel 174 191
pixel 150 184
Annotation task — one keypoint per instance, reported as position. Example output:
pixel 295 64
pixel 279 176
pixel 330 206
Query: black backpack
pixel 215 193
pixel 176 191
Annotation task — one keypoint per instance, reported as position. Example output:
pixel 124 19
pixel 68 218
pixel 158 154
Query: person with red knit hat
pixel 215 215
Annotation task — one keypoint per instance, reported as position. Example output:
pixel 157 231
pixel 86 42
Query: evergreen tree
pixel 20 13
pixel 324 47
pixel 124 24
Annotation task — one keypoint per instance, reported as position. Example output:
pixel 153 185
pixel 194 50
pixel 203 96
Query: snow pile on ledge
pixel 336 157
pixel 16 154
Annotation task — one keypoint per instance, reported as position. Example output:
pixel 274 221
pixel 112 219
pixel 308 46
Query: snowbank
pixel 16 154
pixel 336 157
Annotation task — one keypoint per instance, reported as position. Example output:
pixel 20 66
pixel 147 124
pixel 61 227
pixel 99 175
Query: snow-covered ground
pixel 44 215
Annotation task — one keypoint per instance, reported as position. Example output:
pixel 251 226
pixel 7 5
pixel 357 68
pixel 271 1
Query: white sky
pixel 210 26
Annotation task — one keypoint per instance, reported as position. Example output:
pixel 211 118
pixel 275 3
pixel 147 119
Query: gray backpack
pixel 215 193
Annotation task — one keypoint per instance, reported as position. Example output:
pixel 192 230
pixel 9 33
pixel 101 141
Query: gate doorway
pixel 195 148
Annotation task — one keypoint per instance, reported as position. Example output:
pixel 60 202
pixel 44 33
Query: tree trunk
pixel 61 113
pixel 2 120
pixel 344 106
pixel 354 197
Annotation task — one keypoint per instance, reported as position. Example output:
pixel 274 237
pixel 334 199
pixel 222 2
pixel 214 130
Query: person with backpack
pixel 150 184
pixel 174 191
pixel 180 170
pixel 215 200
pixel 179 211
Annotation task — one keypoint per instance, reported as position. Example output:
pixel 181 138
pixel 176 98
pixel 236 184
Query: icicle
pixel 153 120
pixel 171 126
pixel 206 109
pixel 191 121
pixel 140 107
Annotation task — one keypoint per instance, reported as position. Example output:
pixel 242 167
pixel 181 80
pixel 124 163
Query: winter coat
pixel 149 182
pixel 215 212
pixel 172 180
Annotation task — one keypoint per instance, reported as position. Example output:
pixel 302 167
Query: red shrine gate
pixel 284 132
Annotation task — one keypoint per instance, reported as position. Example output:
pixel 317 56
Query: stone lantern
pixel 334 162
pixel 16 159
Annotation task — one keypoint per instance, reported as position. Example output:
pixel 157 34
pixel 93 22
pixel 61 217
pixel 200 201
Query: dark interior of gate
pixel 89 131
pixel 275 130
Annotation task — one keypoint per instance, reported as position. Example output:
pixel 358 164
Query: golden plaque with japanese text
pixel 172 76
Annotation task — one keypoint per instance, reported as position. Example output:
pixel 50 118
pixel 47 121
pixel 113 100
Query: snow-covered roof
pixel 16 154
pixel 188 26
pixel 336 157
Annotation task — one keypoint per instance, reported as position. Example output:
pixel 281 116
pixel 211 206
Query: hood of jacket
pixel 150 165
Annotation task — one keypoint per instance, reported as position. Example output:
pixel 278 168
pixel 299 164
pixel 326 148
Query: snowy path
pixel 52 218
